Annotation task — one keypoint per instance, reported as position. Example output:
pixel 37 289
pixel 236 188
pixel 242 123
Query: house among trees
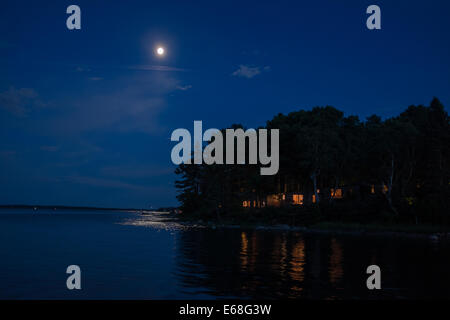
pixel 398 166
pixel 299 199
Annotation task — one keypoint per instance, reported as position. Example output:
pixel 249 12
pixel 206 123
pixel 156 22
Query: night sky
pixel 86 115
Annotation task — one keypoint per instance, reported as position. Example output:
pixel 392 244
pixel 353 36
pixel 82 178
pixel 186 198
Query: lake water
pixel 125 255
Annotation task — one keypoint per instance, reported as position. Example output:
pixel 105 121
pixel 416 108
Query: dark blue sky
pixel 86 116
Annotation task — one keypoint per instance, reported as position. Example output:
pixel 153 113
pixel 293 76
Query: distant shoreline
pixel 50 207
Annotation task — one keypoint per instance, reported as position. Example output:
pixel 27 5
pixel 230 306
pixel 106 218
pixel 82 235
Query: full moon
pixel 160 51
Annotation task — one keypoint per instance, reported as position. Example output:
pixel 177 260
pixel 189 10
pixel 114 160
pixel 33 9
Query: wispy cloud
pixel 106 183
pixel 246 71
pixel 19 102
pixel 136 171
pixel 82 69
pixel 95 78
pixel 156 68
pixel 135 107
pixel 81 151
pixel 184 88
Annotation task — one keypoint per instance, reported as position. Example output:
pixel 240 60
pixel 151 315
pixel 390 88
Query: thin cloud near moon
pixel 157 68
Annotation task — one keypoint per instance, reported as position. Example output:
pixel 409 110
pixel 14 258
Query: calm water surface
pixel 124 255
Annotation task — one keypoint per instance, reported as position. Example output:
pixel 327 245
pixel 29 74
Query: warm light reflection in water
pixel 297 265
pixel 336 270
pixel 266 264
pixel 283 260
pixel 244 251
pixel 254 253
pixel 281 257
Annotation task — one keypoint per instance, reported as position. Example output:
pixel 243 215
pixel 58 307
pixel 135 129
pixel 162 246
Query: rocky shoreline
pixel 434 236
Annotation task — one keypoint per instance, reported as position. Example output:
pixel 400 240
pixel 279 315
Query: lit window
pixel 297 199
pixel 337 194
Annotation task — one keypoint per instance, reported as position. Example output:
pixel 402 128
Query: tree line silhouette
pixel 391 170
